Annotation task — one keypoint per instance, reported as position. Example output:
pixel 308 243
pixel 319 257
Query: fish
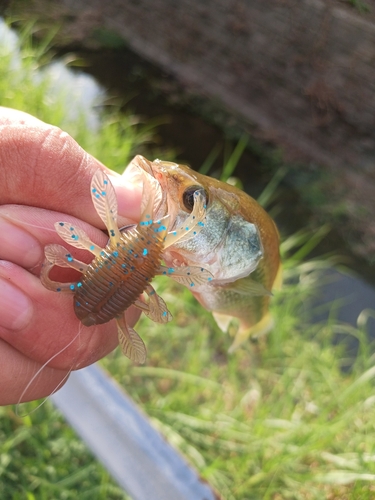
pixel 238 245
pixel 122 271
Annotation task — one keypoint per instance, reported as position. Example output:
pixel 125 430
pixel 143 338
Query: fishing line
pixel 34 377
pixel 19 222
pixel 24 223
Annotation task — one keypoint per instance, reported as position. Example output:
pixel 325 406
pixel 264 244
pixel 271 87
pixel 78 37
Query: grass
pixel 42 459
pixel 289 417
pixel 276 420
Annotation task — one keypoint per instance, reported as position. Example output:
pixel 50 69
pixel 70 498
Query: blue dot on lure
pixel 122 271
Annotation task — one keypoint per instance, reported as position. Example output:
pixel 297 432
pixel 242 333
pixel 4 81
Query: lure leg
pixel 158 310
pixel 192 225
pixel 151 192
pixel 55 286
pixel 188 276
pixel 76 237
pixel 104 200
pixel 57 255
pixel 131 343
pixel 60 256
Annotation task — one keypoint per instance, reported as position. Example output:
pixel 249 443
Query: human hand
pixel 44 178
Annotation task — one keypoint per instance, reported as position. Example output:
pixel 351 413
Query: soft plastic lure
pixel 123 270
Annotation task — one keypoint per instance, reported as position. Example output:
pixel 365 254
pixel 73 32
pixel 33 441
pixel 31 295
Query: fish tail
pixel 261 328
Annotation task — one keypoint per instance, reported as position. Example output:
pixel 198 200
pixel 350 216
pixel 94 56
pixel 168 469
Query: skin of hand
pixel 45 178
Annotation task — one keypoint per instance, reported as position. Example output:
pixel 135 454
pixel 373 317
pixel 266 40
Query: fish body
pixel 122 271
pixel 239 246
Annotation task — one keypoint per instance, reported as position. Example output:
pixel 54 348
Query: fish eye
pixel 188 196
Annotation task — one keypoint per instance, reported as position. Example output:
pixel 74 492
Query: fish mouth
pixel 157 168
pixel 142 162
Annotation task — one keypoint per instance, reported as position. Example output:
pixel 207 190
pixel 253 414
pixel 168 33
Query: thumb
pixel 42 166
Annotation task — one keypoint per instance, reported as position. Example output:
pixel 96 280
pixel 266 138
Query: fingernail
pixel 18 245
pixel 16 308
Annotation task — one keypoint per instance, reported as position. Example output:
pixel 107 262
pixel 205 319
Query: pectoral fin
pixel 277 284
pixel 245 286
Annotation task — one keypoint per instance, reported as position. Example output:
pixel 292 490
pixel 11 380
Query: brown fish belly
pixel 115 279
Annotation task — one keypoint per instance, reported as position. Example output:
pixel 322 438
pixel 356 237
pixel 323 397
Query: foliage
pixel 41 458
pixel 277 419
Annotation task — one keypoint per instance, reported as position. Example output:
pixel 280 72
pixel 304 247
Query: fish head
pixel 178 184
pixel 229 245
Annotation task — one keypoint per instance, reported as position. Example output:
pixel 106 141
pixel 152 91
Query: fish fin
pixel 192 225
pixel 157 308
pixel 60 256
pixel 244 286
pixel 131 343
pixel 244 332
pixel 55 286
pixel 222 320
pixel 104 200
pixel 188 276
pixel 76 237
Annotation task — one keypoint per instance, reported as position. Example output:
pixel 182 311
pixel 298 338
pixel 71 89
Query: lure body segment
pixel 123 270
pixel 119 275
